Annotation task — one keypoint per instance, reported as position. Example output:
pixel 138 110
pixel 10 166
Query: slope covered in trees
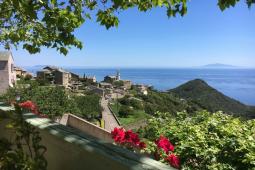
pixel 199 94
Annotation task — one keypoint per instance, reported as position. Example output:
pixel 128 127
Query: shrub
pixel 125 111
pixel 118 83
pixel 207 141
pixel 51 101
pixel 136 104
pixel 88 106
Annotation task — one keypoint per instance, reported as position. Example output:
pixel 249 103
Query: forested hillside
pixel 198 93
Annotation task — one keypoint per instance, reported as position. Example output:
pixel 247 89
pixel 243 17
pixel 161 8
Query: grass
pixel 136 116
pixel 133 118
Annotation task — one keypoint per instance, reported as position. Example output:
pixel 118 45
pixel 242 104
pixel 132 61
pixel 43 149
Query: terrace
pixel 69 148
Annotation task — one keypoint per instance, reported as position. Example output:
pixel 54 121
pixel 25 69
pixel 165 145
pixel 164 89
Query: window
pixel 3 65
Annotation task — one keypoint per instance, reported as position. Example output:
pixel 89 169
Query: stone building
pixel 111 79
pixel 89 79
pixel 7 73
pixel 21 72
pixel 62 77
pixel 127 84
pixel 55 75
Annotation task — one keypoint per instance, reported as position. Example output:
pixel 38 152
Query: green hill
pixel 199 94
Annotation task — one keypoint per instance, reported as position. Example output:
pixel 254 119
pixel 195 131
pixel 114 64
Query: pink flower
pixel 173 160
pixel 164 144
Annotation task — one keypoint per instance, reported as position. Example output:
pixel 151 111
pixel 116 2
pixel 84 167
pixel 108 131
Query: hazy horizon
pixel 227 66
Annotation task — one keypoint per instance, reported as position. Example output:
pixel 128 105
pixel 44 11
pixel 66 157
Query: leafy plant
pixel 207 140
pixel 24 151
pixel 87 106
pixel 125 111
pixel 51 24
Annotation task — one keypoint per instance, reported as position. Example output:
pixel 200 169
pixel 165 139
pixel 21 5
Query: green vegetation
pixel 87 106
pixel 51 101
pixel 192 96
pixel 51 24
pixel 201 96
pixel 54 101
pixel 23 150
pixel 126 115
pixel 163 102
pixel 118 83
pixel 206 140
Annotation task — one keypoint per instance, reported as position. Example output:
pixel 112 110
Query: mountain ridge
pixel 219 65
pixel 199 93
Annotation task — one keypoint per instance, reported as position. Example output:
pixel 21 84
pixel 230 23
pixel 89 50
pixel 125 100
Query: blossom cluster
pixel 130 139
pixel 31 106
pixel 127 138
pixel 164 144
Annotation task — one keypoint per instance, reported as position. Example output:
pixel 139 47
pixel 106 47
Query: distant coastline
pixel 236 83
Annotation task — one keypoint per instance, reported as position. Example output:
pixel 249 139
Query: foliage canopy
pixel 206 140
pixel 51 23
pixel 55 101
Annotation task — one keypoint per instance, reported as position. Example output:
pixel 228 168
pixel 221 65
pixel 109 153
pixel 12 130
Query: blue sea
pixel 235 83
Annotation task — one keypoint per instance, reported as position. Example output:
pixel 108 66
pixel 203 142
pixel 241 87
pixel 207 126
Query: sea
pixel 238 84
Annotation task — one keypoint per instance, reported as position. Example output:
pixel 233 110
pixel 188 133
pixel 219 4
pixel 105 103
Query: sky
pixel 204 36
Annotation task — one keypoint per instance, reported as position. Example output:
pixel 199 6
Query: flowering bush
pixel 173 160
pixel 131 140
pixel 31 106
pixel 164 144
pixel 205 140
pixel 164 151
pixel 128 138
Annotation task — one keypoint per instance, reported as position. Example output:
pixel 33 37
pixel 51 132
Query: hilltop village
pixel 111 87
pixel 109 91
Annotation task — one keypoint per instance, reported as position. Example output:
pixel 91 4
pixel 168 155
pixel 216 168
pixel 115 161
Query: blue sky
pixel 205 35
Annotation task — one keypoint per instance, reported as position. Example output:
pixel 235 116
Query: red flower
pixel 118 134
pixel 174 161
pixel 127 137
pixel 132 138
pixel 142 145
pixel 30 105
pixel 164 144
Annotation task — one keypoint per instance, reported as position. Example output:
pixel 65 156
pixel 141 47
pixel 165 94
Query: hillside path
pixel 108 117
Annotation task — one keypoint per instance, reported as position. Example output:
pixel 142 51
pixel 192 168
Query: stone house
pixel 55 75
pixel 97 90
pixel 89 79
pixel 61 77
pixel 111 79
pixel 21 72
pixel 7 73
pixel 74 77
pixel 45 74
pixel 105 85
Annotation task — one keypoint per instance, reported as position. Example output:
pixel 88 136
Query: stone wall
pixel 71 149
pixel 4 78
pixel 88 128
